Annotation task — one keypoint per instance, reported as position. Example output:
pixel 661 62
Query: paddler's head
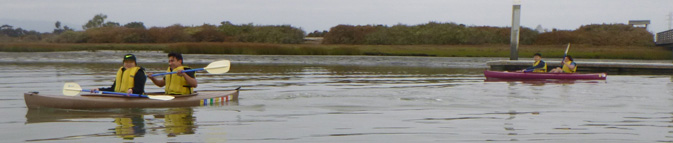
pixel 130 61
pixel 568 58
pixel 537 57
pixel 174 60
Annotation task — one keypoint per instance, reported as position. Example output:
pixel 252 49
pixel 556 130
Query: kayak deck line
pixel 612 67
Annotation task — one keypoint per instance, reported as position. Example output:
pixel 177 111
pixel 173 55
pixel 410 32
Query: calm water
pixel 339 99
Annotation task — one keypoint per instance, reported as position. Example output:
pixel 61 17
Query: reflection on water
pixel 542 82
pixel 130 127
pixel 128 123
pixel 179 122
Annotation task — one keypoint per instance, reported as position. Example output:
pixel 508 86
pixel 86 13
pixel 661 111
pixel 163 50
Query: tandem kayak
pixel 97 101
pixel 531 75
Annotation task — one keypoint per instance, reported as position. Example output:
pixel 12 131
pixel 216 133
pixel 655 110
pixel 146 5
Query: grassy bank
pixel 548 51
pixel 578 51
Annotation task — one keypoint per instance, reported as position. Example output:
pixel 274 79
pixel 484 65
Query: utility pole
pixel 514 36
pixel 670 20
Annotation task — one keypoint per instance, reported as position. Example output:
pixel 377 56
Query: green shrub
pixel 432 33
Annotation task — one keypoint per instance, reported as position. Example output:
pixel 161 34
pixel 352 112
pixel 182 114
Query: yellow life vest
pixel 544 69
pixel 566 68
pixel 176 84
pixel 125 79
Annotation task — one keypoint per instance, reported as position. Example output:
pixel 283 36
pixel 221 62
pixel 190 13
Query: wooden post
pixel 514 36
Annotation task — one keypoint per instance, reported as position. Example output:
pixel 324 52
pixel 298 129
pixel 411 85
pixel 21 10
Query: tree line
pixel 10 34
pixel 98 30
pixel 599 35
pixel 434 33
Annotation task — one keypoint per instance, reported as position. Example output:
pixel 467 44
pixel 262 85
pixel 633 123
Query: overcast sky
pixel 313 15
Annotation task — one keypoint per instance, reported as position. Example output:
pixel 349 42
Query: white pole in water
pixel 514 36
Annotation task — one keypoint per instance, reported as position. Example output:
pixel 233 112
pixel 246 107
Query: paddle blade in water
pixel 71 89
pixel 218 67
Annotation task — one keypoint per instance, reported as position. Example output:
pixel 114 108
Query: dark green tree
pixel 66 28
pixel 137 25
pixel 10 31
pixel 111 24
pixel 317 33
pixel 96 22
pixel 58 29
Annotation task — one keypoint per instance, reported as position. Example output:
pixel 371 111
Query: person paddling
pixel 567 66
pixel 538 66
pixel 130 78
pixel 181 83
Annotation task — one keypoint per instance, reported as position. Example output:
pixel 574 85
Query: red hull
pixel 520 75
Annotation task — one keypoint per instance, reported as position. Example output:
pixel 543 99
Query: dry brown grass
pixel 548 51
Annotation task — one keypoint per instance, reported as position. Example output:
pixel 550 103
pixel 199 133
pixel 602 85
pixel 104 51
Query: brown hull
pixel 104 101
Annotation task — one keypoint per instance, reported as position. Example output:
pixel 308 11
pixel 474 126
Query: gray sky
pixel 313 15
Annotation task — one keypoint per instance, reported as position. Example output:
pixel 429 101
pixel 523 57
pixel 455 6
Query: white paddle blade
pixel 71 89
pixel 218 67
pixel 161 97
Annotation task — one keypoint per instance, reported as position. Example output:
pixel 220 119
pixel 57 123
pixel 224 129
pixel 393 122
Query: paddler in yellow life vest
pixel 181 83
pixel 130 78
pixel 567 66
pixel 538 66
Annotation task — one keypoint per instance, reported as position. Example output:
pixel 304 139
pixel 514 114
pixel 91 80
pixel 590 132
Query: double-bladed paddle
pixel 72 89
pixel 565 54
pixel 217 67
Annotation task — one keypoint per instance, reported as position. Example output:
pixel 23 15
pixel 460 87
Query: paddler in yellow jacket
pixel 538 66
pixel 567 66
pixel 181 83
pixel 130 78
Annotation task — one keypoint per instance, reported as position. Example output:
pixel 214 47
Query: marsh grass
pixel 262 49
pixel 500 50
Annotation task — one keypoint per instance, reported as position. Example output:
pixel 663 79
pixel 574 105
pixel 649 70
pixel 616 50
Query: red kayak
pixel 532 75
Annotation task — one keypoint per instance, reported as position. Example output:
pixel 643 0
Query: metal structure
pixel 665 38
pixel 639 23
pixel 514 37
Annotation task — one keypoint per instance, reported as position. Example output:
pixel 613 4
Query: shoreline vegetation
pixel 494 50
pixel 440 39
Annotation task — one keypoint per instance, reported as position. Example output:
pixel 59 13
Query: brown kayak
pixel 93 101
